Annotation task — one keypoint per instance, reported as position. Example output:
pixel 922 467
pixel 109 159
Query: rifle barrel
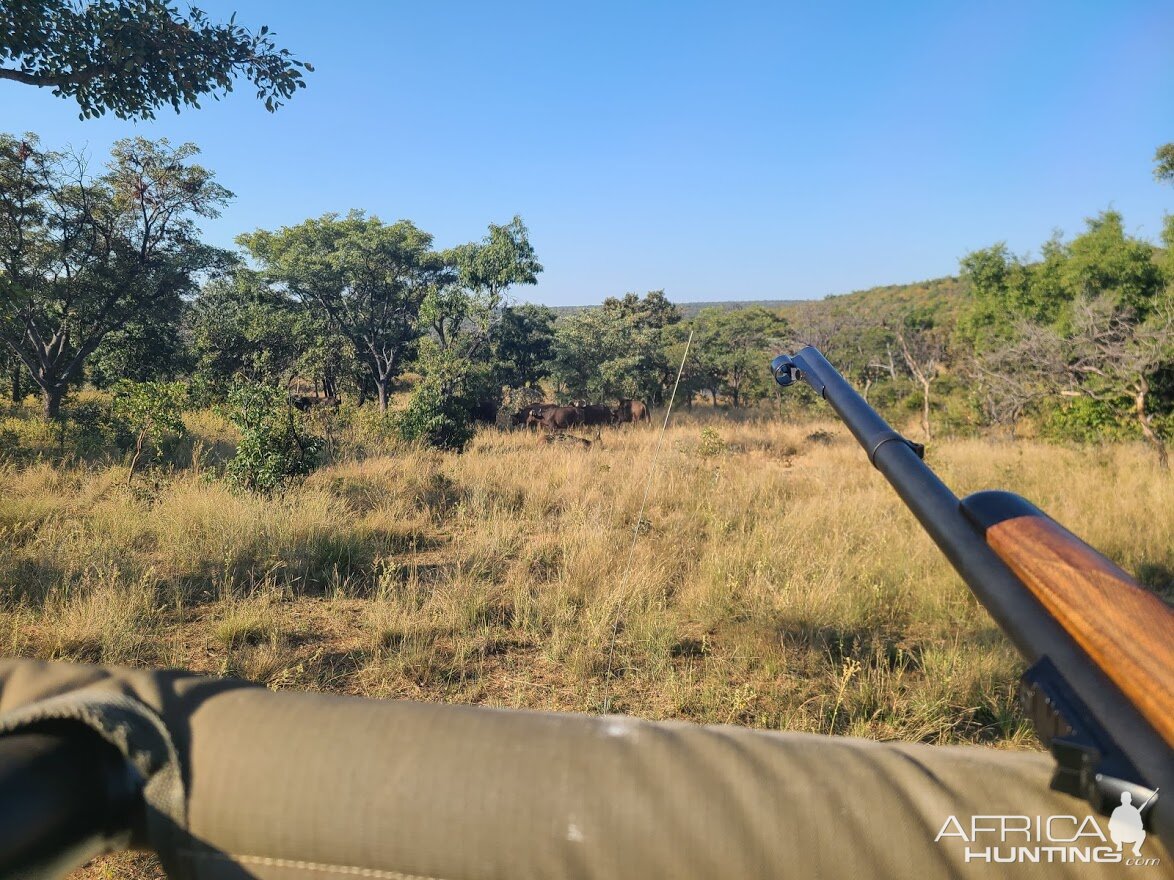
pixel 1031 627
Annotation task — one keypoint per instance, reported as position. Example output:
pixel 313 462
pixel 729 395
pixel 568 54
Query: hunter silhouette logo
pixel 1125 824
pixel 997 839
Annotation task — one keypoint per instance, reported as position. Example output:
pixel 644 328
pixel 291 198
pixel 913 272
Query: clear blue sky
pixel 720 151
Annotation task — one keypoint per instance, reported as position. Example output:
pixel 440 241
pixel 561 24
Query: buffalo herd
pixel 557 417
pixel 550 417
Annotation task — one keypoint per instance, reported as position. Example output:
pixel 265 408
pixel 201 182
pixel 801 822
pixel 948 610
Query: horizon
pixel 764 155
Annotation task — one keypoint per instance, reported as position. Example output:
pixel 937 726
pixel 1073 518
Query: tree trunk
pixel 51 401
pixel 383 389
pixel 17 390
pixel 925 410
pixel 1146 428
pixel 134 462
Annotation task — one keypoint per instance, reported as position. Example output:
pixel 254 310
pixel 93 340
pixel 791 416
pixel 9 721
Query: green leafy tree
pixel 1000 290
pixel 1112 359
pixel 367 277
pixel 273 448
pixel 1166 260
pixel 151 411
pixel 1164 163
pixel 131 57
pixel 524 345
pixel 503 259
pixel 617 350
pixel 464 311
pixel 731 347
pixel 151 347
pixel 241 327
pixel 1008 290
pixel 82 257
pixel 1106 336
pixel 583 340
pixel 1105 261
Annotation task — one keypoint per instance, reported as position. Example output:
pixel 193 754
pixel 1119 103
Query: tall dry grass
pixel 775 580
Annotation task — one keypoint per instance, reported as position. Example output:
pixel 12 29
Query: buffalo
pixel 522 416
pixel 597 414
pixel 558 418
pixel 305 403
pixel 484 411
pixel 631 411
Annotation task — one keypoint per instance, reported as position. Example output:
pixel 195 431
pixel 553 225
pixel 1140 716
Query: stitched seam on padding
pixel 297 864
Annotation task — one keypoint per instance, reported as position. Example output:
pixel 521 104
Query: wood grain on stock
pixel 1125 629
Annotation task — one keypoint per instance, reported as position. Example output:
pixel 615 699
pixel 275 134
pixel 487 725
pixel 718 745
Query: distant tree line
pixel 104 280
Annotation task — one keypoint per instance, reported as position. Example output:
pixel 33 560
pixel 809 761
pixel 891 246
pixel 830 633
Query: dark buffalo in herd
pixel 596 414
pixel 548 416
pixel 554 417
pixel 305 403
pixel 632 411
pixel 558 418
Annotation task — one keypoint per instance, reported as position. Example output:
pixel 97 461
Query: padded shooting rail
pixel 292 786
pixel 1125 629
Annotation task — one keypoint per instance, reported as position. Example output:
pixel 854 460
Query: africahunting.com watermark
pixel 1006 840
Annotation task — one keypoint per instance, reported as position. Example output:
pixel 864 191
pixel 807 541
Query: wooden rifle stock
pixel 1100 685
pixel 1126 630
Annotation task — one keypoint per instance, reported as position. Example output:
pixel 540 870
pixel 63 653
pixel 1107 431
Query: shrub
pixel 1085 420
pixel 436 419
pixel 711 443
pixel 88 429
pixel 152 412
pixel 273 448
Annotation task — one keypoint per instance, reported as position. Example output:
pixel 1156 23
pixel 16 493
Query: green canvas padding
pixel 291 785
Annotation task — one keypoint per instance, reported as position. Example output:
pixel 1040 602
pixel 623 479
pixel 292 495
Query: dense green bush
pixel 1084 420
pixel 273 447
pixel 436 419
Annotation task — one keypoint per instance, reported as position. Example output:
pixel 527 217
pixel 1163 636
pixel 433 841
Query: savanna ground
pixel 776 582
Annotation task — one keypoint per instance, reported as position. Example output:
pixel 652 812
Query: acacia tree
pixel 131 57
pixel 923 348
pixel 1013 378
pixel 1112 357
pixel 81 257
pixel 368 277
